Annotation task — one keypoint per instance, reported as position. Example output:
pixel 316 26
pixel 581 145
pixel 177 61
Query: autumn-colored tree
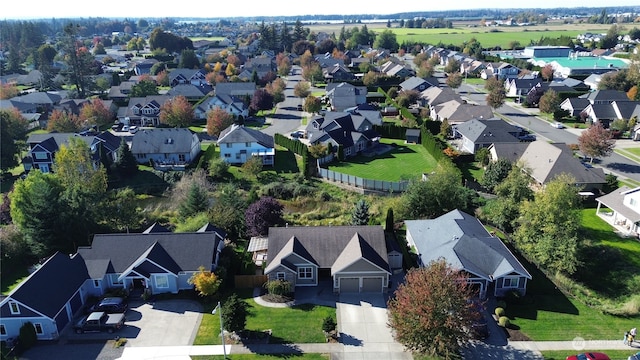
pixel 312 104
pixel 233 59
pixel 205 282
pixel 431 311
pixel 262 214
pixel 176 112
pixel 547 72
pixel 217 67
pixel 253 165
pixel 496 97
pixel 7 91
pixel 596 142
pixel 633 93
pixel 493 83
pixel 302 89
pixel 312 73
pixel 230 70
pixel 95 112
pixel 261 100
pixel 454 80
pixel 370 78
pixel 163 78
pixel 425 70
pixel 218 120
pixel 61 121
pixel 549 102
pixel 306 59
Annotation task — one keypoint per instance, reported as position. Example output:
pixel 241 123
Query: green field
pixel 404 162
pixel 613 354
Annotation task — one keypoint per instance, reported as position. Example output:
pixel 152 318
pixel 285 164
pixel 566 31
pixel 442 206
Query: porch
pixel 623 226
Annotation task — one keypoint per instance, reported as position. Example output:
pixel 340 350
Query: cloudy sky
pixel 152 9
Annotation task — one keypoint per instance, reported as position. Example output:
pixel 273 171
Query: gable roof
pixel 49 288
pixel 465 244
pixel 235 88
pixel 615 201
pixel 173 251
pixel 488 131
pixel 605 96
pixel 327 246
pixel 548 161
pixel 163 140
pixel 239 134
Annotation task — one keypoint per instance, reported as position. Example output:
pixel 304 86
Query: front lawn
pixel 264 356
pixel 406 161
pixel 608 274
pixel 298 324
pixel 613 354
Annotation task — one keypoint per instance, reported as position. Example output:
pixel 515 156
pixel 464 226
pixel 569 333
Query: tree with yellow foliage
pixel 206 282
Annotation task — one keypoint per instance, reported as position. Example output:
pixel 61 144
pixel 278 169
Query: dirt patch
pixel 278 299
pixel 517 335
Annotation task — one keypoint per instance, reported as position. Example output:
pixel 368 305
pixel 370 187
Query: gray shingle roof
pixel 615 201
pixel 488 131
pixel 163 140
pixel 240 134
pixel 324 245
pixel 464 243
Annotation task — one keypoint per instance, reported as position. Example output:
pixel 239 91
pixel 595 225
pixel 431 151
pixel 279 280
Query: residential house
pixel 456 112
pixel 159 262
pixel 471 66
pixel 262 65
pixel 121 93
pixel 144 67
pixel 434 96
pixel 574 105
pixel 415 83
pixel 463 242
pixel 392 68
pixel 635 133
pixel 238 144
pixel 342 96
pixel 191 92
pixel 165 148
pixel 143 111
pixel 621 210
pixel 337 72
pixel 606 113
pixel 26 110
pixel 44 101
pixel 476 134
pixel 593 81
pixel 233 105
pixel 351 131
pixel 41 150
pixel 353 258
pixel 547 161
pixel 183 76
pixel 605 96
pixel 501 70
pixel 44 300
pixel 239 89
pixel 519 87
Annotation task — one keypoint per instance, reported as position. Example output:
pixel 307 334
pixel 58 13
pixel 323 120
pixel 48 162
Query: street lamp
pixel 224 350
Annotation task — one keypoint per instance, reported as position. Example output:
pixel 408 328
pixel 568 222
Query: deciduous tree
pixel 302 89
pixel 206 282
pixel 496 97
pixel 144 88
pixel 13 128
pixel 431 311
pixel 549 102
pixel 495 173
pixel 596 142
pixel 261 100
pixel 62 121
pixel 176 112
pixel 454 80
pixel 218 120
pixel 312 104
pixel 253 165
pixel 262 214
pixel 95 112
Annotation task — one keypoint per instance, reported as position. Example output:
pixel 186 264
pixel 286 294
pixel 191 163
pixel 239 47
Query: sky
pixel 34 9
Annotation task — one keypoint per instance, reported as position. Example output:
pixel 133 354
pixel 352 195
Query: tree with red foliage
pixel 261 100
pixel 596 142
pixel 176 112
pixel 431 311
pixel 95 112
pixel 218 120
pixel 262 214
pixel 61 121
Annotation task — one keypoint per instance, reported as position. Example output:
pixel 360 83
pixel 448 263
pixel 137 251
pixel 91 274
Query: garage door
pixel 349 285
pixel 372 285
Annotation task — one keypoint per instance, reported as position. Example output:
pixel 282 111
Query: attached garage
pixel 61 320
pixel 349 285
pixel 372 284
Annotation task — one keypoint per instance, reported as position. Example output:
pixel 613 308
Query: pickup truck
pixel 99 321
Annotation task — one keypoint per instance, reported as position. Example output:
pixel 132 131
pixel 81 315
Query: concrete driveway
pixel 362 323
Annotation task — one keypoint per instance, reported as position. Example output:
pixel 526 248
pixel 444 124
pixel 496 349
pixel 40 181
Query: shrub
pixel 499 312
pixel 504 321
pixel 120 342
pixel 328 324
pixel 501 304
pixel 278 287
pixel 28 337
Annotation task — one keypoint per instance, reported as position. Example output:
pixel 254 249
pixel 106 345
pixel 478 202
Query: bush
pixel 499 312
pixel 501 304
pixel 504 321
pixel 328 324
pixel 278 287
pixel 28 337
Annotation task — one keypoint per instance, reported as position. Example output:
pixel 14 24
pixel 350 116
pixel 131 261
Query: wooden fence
pixel 250 281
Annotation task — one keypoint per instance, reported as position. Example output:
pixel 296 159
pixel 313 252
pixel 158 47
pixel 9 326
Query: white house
pixel 623 211
pixel 238 144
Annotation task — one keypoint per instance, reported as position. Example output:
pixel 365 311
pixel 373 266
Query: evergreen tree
pixel 195 202
pixel 390 221
pixel 360 214
pixel 234 313
pixel 125 163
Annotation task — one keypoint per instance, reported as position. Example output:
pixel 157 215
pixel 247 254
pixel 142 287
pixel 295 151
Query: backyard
pixel 613 354
pixel 404 162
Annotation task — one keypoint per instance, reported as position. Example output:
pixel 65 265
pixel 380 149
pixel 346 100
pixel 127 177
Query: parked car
pixel 558 125
pixel 125 128
pixel 99 321
pixel 589 356
pixel 636 356
pixel 110 305
pixel 527 137
pixel 297 134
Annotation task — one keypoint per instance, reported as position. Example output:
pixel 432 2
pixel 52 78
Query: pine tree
pixel 195 202
pixel 360 215
pixel 125 163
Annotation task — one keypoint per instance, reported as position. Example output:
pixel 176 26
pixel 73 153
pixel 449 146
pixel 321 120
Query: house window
pixel 227 155
pixel 44 168
pixel 114 280
pixel 347 151
pixel 280 276
pixel 14 307
pixel 182 158
pixel 632 202
pixel 305 273
pixel 40 155
pixel 510 282
pixel 229 145
pixel 247 144
pixel 162 281
pixel 3 331
pixel 96 283
pixel 38 328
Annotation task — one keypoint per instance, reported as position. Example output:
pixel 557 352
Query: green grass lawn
pixel 12 278
pixel 264 356
pixel 404 162
pixel 548 314
pixel 633 153
pixel 613 354
pixel 298 324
